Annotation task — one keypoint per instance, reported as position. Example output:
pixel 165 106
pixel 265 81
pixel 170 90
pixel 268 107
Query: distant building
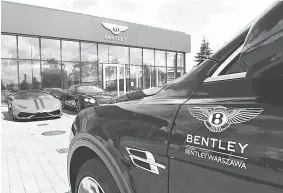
pixel 62 48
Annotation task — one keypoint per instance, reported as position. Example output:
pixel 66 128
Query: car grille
pixel 25 115
pixel 39 115
pixel 57 112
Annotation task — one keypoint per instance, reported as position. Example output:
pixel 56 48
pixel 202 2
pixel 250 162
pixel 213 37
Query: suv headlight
pixel 86 99
pixel 92 100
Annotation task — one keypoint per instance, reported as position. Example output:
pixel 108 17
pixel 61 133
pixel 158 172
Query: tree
pixel 2 85
pixel 204 52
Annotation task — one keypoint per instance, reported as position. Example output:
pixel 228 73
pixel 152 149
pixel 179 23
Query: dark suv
pixel 217 129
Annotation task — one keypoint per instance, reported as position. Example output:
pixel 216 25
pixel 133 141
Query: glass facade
pixel 38 63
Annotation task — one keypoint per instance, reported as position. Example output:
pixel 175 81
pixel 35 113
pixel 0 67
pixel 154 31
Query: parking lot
pixel 34 154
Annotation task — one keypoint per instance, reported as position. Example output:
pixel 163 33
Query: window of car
pixel 231 68
pixel 89 89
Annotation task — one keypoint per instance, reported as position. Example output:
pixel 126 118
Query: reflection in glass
pixel 89 73
pixel 171 59
pixel 171 74
pixel 71 74
pixel 136 56
pixel 28 48
pixel 50 49
pixel 9 73
pixel 148 57
pixel 118 54
pixel 180 60
pixel 135 78
pixel 148 77
pixel 51 74
pixel 100 75
pixel 180 72
pixel 8 46
pixel 88 52
pixel 103 56
pixel 70 51
pixel 160 76
pixel 160 59
pixel 29 74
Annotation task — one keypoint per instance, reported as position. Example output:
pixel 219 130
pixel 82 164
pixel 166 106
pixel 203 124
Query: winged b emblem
pixel 114 28
pixel 218 119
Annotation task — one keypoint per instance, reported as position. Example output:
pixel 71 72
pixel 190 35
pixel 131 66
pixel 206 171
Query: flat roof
pixel 33 20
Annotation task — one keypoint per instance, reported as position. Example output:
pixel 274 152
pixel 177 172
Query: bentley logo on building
pixel 218 119
pixel 114 28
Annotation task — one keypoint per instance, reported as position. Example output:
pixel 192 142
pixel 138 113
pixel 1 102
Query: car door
pixel 228 136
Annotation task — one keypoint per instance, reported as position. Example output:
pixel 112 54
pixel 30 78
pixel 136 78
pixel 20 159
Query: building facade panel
pixel 38 55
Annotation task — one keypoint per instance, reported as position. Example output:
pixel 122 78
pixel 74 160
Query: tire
pixel 97 170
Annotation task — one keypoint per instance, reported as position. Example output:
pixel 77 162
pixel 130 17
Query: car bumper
pixel 38 115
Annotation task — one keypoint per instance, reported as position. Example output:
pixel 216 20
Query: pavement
pixel 33 162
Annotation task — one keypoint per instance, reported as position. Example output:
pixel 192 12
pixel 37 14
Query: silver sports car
pixel 33 105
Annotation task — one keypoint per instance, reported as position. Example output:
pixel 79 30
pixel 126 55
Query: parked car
pixel 33 104
pixel 218 128
pixel 56 92
pixel 82 96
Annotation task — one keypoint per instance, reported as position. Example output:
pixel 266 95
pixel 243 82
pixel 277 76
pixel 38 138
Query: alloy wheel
pixel 89 185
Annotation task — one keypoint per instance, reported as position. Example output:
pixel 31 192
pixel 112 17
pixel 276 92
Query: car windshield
pixel 34 95
pixel 89 89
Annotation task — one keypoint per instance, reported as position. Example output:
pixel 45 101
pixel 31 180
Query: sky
pixel 216 20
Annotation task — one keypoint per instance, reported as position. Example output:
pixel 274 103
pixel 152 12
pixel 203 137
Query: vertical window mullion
pixel 18 67
pixel 39 39
pixel 142 80
pixel 80 55
pixel 62 76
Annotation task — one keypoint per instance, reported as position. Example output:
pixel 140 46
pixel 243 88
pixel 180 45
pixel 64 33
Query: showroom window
pixel 28 48
pixel 89 72
pixel 148 69
pixel 171 59
pixel 51 74
pixel 70 51
pixel 50 49
pixel 135 78
pixel 180 60
pixel 119 55
pixel 148 57
pixel 160 59
pixel 103 55
pixel 29 75
pixel 8 46
pixel 88 52
pixel 71 74
pixel 160 76
pixel 136 56
pixel 9 73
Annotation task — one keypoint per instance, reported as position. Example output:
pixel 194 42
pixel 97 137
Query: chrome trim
pixel 228 61
pixel 149 160
pixel 226 77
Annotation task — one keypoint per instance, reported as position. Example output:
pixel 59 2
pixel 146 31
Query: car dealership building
pixel 48 48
